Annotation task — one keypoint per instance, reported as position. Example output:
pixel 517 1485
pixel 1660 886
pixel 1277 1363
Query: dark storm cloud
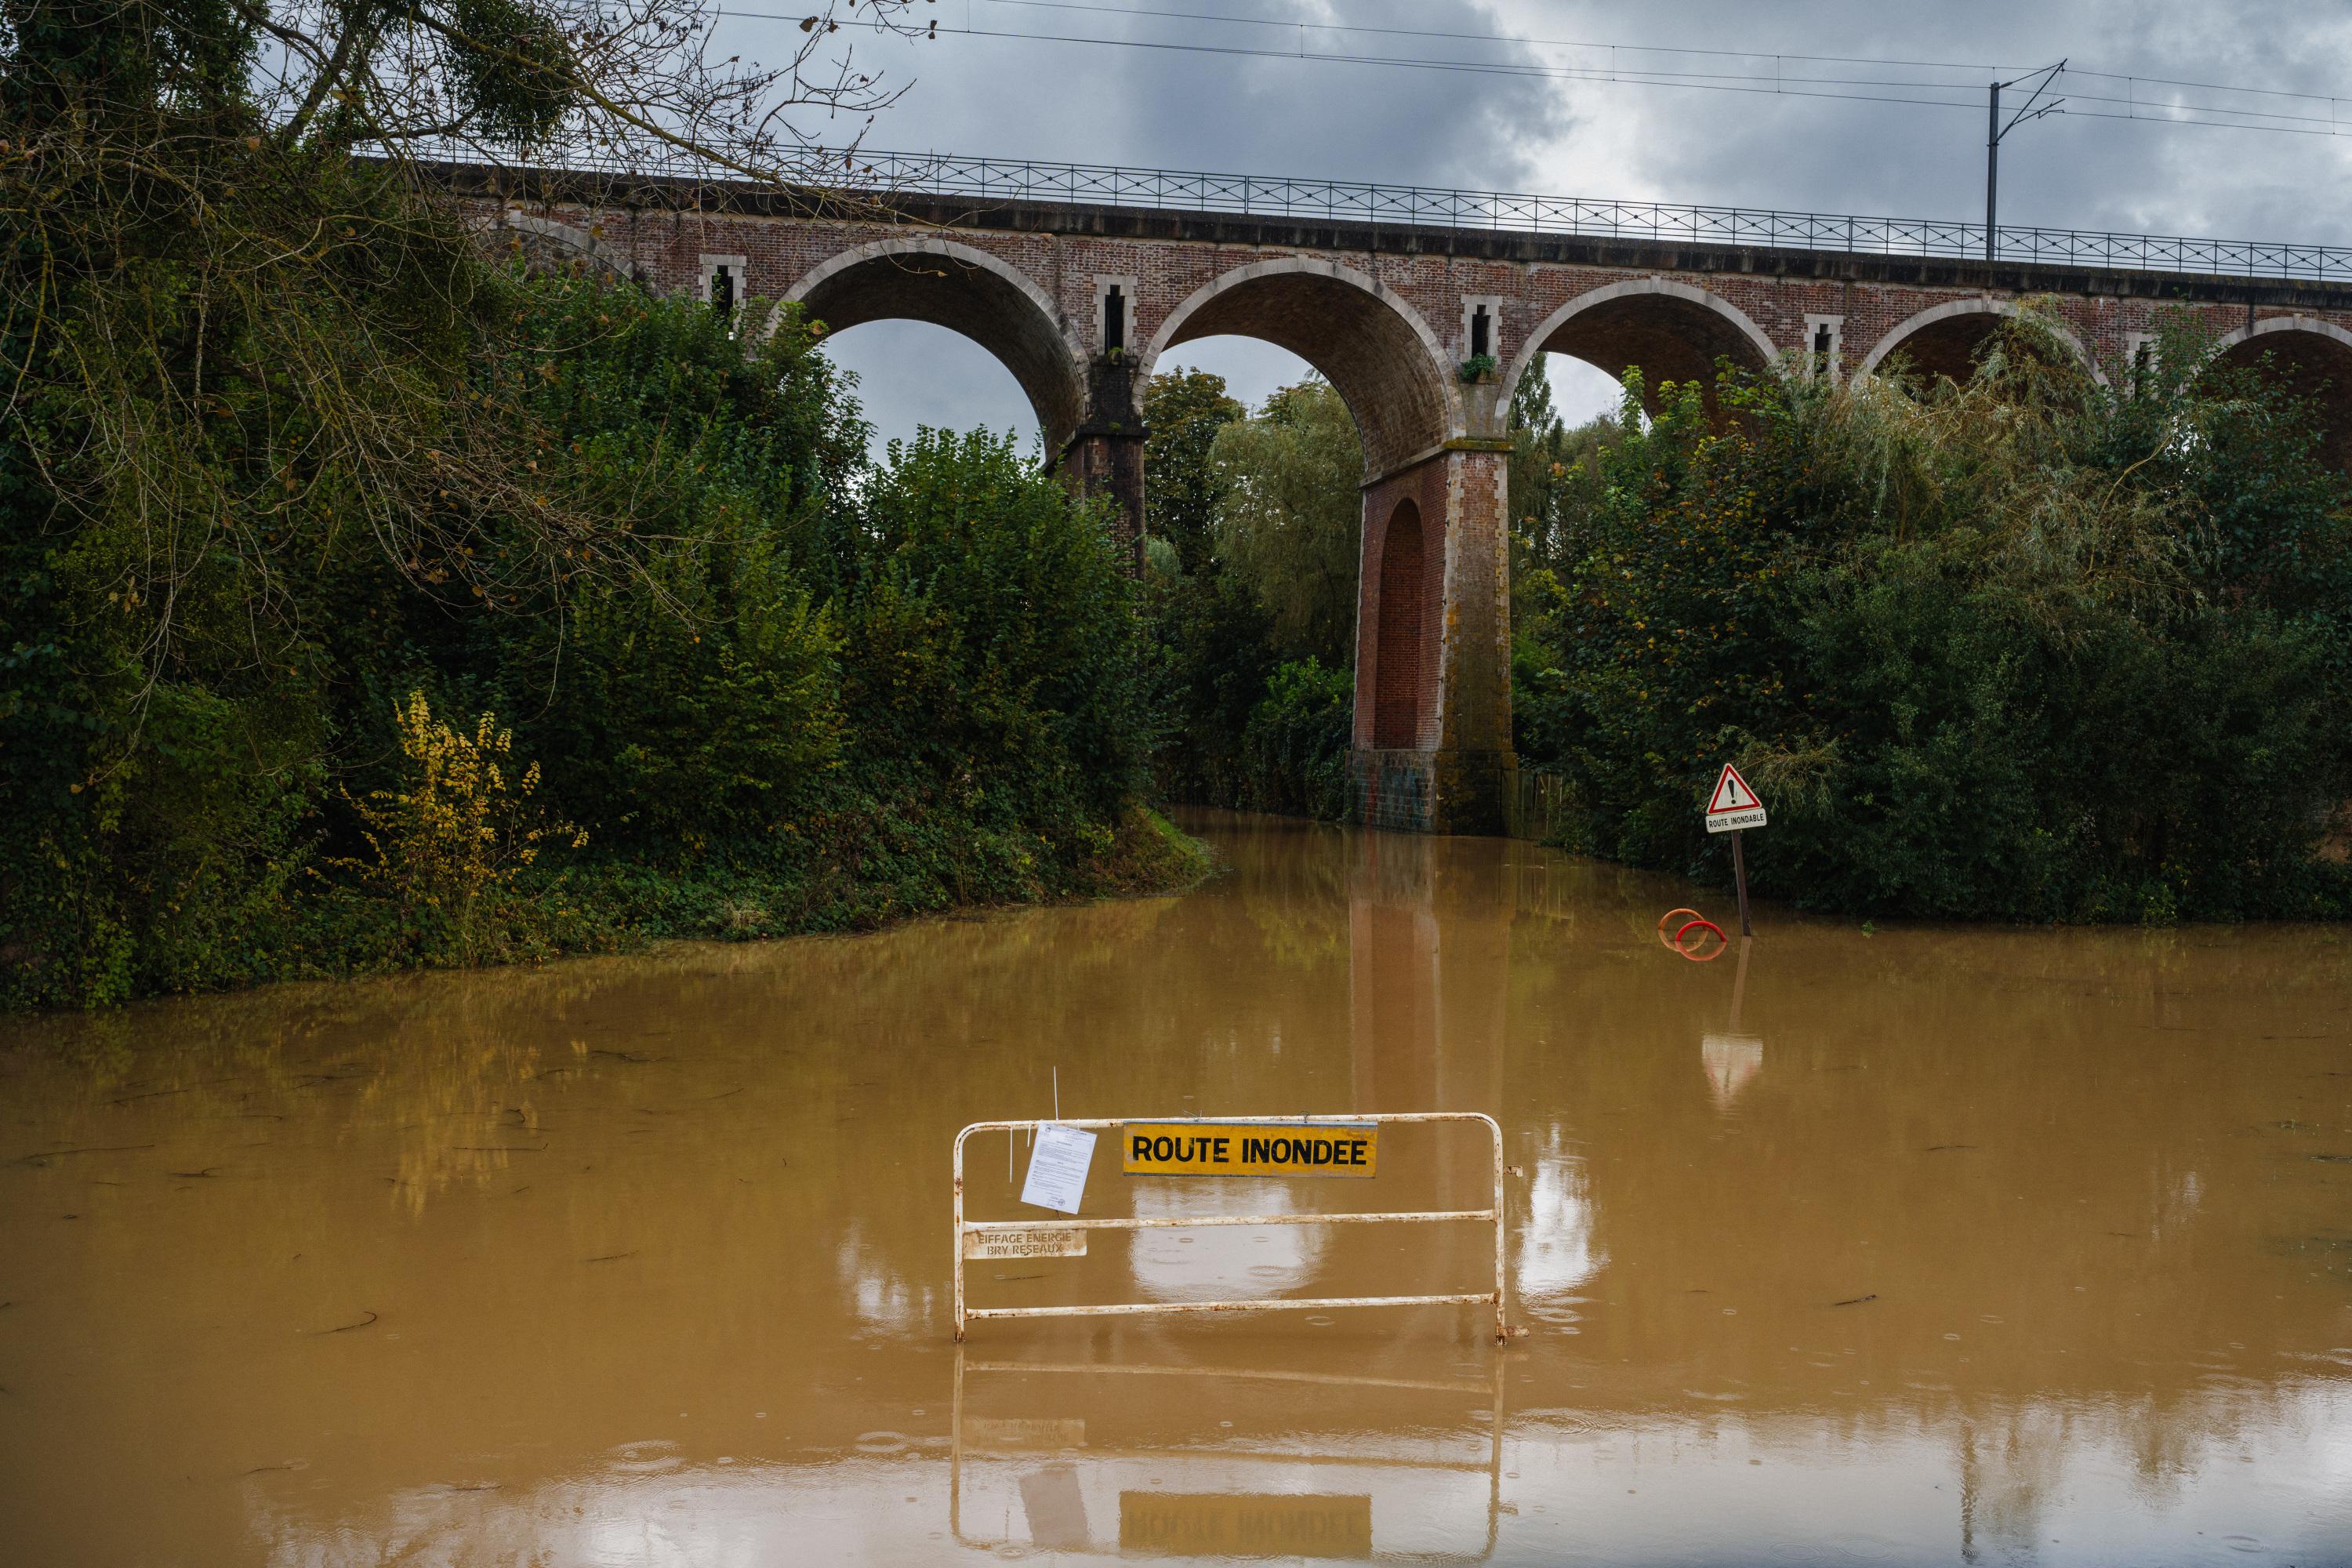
pixel 1084 103
pixel 2069 171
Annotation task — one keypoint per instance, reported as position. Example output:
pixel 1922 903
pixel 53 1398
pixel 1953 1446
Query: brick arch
pixel 1366 339
pixel 1400 641
pixel 968 292
pixel 1945 338
pixel 1675 331
pixel 2317 358
pixel 561 239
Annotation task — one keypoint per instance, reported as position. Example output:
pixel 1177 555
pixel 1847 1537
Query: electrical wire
pixel 1095 7
pixel 1765 84
pixel 2128 106
pixel 1090 5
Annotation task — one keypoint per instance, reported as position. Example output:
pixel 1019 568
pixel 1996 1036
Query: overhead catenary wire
pixel 1614 49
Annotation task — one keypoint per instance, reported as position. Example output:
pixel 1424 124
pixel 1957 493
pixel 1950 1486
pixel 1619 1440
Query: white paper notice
pixel 1057 1168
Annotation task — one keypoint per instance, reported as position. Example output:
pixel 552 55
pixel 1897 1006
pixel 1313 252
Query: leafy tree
pixel 283 449
pixel 2023 648
pixel 1556 480
pixel 1290 522
pixel 1182 412
pixel 1297 742
pixel 1553 476
pixel 1213 638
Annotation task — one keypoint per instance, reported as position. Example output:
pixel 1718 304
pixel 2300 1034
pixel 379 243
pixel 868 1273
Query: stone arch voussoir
pixel 565 240
pixel 2273 324
pixel 1995 310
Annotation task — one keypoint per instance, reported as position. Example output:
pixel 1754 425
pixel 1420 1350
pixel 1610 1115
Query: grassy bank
pixel 611 905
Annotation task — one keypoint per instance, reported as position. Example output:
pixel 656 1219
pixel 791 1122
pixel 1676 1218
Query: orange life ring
pixel 1664 941
pixel 1722 941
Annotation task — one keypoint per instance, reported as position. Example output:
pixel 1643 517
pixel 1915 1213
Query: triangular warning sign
pixel 1732 793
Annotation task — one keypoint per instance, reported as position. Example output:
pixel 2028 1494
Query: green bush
pixel 781 690
pixel 2027 648
pixel 1296 746
pixel 993 661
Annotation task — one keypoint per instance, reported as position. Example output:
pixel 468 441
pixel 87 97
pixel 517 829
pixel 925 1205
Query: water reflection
pixel 1220 1262
pixel 1272 1480
pixel 1733 1059
pixel 1557 1251
pixel 2010 1245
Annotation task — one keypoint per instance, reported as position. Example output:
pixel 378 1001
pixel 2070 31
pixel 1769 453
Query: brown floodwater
pixel 1924 1245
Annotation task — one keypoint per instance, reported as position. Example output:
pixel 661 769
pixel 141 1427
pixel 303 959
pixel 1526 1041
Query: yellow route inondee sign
pixel 1248 1149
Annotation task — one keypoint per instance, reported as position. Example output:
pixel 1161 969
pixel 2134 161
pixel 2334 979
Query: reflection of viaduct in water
pixel 1423 329
pixel 1429 947
pixel 1429 943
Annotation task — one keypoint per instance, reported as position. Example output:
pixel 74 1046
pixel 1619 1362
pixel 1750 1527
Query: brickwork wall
pixel 1111 465
pixel 1477 603
pixel 1425 290
pixel 1460 671
pixel 1395 790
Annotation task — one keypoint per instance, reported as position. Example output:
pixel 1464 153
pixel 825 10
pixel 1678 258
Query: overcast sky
pixel 1168 109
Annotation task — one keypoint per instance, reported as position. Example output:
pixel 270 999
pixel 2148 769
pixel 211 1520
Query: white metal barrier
pixel 1493 1215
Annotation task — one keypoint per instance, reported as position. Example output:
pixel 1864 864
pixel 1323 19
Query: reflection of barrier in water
pixel 1070 1232
pixel 1182 1500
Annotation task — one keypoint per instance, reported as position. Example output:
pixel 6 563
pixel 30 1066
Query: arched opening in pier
pixel 1400 648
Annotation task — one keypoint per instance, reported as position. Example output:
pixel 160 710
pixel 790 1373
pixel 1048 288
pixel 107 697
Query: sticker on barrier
pixel 1026 1241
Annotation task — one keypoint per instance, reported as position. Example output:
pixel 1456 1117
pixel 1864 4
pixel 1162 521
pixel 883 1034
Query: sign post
pixel 1734 809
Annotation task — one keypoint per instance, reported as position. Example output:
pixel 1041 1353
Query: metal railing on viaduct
pixel 1424 206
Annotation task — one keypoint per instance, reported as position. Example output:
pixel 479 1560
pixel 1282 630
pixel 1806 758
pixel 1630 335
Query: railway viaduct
pixel 1422 310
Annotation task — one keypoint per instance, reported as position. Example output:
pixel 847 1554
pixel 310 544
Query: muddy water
pixel 1921 1247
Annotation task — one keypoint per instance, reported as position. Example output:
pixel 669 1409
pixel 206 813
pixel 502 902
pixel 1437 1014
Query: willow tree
pixel 1289 521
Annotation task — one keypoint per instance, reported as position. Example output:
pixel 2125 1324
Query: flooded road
pixel 1924 1246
